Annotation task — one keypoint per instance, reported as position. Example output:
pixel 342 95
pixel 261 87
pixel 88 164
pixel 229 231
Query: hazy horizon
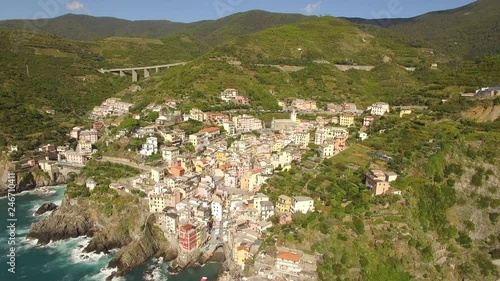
pixel 184 12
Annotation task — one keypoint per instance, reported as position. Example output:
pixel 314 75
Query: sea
pixel 65 260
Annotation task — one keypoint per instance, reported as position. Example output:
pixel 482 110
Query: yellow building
pixel 200 165
pixel 346 120
pixel 242 254
pixel 201 235
pixel 284 203
pixel 251 180
pixel 221 157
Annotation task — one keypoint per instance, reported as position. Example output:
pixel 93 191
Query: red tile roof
pixel 288 256
pixel 210 130
pixel 186 227
pixel 243 247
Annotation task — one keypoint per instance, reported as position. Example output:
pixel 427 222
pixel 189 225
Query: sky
pixel 196 10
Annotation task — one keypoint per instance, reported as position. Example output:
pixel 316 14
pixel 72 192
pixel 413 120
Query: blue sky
pixel 195 10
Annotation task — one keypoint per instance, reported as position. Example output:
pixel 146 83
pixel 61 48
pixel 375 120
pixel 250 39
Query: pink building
pixel 368 121
pixel 241 100
pixel 340 144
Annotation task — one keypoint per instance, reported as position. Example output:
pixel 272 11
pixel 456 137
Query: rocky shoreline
pixel 137 244
pixel 77 217
pixel 31 180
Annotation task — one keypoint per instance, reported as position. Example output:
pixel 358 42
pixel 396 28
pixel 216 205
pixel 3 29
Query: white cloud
pixel 312 8
pixel 74 6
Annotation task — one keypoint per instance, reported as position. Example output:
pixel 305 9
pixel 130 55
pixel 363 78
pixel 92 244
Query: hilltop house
pixel 379 108
pixel 379 182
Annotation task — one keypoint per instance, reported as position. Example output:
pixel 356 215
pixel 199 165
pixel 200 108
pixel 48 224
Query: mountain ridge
pixel 85 27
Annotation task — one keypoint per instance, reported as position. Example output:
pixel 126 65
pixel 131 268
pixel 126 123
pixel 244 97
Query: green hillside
pixel 210 32
pixel 83 27
pixel 291 61
pixel 218 31
pixel 468 31
pixel 42 73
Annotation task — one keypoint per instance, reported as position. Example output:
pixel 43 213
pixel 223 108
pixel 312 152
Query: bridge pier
pixel 135 70
pixel 135 77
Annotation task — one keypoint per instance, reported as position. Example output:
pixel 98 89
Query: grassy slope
pixel 427 237
pixel 210 32
pixel 62 76
pixel 319 38
pixel 83 27
pixel 468 31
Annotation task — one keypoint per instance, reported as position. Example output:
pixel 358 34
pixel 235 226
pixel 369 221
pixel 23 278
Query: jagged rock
pixel 60 226
pixel 69 221
pixel 103 242
pixel 46 207
pixel 130 229
pixel 151 242
pixel 33 179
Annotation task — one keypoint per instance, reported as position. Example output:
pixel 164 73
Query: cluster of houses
pixel 86 140
pixel 232 95
pixel 212 195
pixel 110 107
pixel 486 92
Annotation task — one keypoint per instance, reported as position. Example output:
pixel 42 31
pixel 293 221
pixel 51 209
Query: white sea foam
pixel 154 275
pixel 103 274
pixel 79 256
pixel 58 203
pixel 50 190
pixel 26 244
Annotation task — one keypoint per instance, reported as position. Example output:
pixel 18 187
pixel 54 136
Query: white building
pixel 302 204
pixel 266 210
pixel 288 262
pixel 169 154
pixel 301 139
pixel 338 132
pixel 171 223
pixel 84 147
pixel 327 149
pixel 321 135
pixel 228 95
pixel 247 123
pixel 258 199
pixel 379 108
pixel 280 124
pixel 362 136
pixel 150 147
pixel 229 127
pixel 216 207
pixel 76 157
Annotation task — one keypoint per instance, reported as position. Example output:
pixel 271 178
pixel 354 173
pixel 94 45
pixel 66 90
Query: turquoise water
pixel 63 260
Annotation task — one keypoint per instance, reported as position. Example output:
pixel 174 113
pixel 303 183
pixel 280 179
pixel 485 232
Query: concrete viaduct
pixel 134 70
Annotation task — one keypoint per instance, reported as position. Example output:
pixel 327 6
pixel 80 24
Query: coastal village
pixel 250 140
pixel 205 187
pixel 203 175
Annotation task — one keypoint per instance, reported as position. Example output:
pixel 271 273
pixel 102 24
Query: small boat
pixel 204 279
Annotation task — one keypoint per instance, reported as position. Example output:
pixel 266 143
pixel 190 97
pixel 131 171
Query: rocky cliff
pixel 29 180
pixel 127 227
pixel 151 242
pixel 69 221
